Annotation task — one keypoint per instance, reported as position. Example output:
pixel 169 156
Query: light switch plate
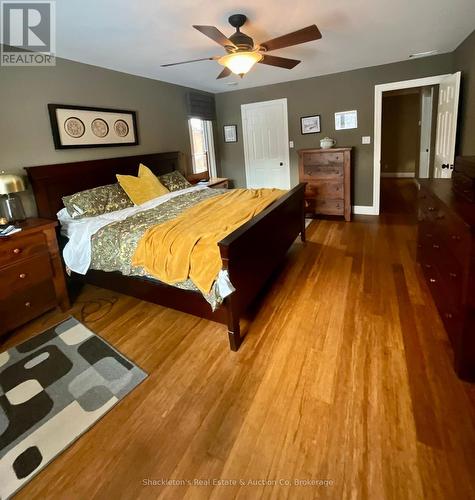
pixel 291 144
pixel 366 139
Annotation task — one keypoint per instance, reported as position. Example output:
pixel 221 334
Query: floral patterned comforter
pixel 113 246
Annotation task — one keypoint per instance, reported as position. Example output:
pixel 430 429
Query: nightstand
pixel 32 277
pixel 217 182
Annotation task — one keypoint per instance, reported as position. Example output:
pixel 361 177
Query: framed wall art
pixel 345 120
pixel 310 124
pixel 86 127
pixel 230 133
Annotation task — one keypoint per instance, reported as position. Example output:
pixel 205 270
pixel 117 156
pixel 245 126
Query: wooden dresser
pixel 327 173
pixel 32 278
pixel 446 253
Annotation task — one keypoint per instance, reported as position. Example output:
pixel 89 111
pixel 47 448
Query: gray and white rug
pixel 53 388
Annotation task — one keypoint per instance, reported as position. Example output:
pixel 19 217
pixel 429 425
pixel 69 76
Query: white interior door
pixel 427 94
pixel 266 144
pixel 449 91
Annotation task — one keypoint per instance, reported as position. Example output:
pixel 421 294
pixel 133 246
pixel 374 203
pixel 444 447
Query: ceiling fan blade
pixel 281 62
pixel 216 35
pixel 226 72
pixel 301 36
pixel 214 58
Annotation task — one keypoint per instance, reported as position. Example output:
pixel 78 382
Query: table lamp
pixel 11 206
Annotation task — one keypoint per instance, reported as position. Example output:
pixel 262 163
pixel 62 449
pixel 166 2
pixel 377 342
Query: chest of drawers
pixel 31 274
pixel 446 253
pixel 327 173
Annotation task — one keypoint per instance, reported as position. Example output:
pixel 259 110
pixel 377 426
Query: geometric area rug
pixel 53 388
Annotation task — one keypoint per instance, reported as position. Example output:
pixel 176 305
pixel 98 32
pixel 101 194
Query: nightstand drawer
pixel 26 305
pixel 18 248
pixel 25 274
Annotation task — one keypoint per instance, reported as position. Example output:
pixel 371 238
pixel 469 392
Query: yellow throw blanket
pixel 187 246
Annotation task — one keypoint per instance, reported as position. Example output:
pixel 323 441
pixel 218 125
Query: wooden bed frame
pixel 250 254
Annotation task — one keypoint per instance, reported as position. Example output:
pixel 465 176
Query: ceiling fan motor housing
pixel 240 40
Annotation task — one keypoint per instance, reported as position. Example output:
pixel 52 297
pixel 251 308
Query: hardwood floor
pixel 345 375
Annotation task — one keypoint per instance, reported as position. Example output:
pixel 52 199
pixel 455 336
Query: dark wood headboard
pixel 51 182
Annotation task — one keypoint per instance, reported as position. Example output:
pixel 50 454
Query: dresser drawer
pixel 325 189
pixel 329 207
pixel 24 274
pixel 15 249
pixel 446 294
pixel 26 305
pixel 311 172
pixel 327 158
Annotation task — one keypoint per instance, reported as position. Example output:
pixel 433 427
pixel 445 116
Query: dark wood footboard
pixel 252 253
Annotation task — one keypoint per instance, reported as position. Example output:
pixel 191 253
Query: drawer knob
pixel 431 209
pixel 432 280
pixel 449 315
pixel 435 245
pixel 27 304
pixel 455 237
pixel 22 276
pixel 453 275
pixel 17 250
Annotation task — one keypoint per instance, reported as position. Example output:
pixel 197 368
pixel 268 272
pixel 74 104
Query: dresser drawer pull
pixel 448 315
pixel 435 245
pixel 431 209
pixel 22 276
pixel 453 275
pixel 432 280
pixel 17 251
pixel 455 237
pixel 27 304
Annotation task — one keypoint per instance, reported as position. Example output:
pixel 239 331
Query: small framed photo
pixel 345 120
pixel 310 124
pixel 230 133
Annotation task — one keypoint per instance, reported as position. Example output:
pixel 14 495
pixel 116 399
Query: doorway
pixel 266 144
pixel 443 119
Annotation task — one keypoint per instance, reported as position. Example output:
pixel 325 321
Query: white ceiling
pixel 136 36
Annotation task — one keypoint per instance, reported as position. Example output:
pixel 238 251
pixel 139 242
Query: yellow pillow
pixel 143 188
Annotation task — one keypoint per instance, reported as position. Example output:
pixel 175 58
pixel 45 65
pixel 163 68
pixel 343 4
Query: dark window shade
pixel 201 106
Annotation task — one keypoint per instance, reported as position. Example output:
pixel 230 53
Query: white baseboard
pixel 398 174
pixel 364 210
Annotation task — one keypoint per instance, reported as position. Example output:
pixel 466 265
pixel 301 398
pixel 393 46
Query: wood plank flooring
pixel 345 376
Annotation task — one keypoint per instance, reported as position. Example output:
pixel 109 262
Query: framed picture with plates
pixel 86 127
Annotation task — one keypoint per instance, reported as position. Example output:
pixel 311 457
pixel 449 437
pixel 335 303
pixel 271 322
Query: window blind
pixel 201 106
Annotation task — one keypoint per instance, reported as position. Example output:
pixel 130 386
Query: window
pixel 202 148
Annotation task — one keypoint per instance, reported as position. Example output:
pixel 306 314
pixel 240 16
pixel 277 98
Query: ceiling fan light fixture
pixel 240 62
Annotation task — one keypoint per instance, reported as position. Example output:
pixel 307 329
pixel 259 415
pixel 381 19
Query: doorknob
pixel 451 167
pixel 445 165
pixel 281 163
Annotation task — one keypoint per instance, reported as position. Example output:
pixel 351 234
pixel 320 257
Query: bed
pixel 250 254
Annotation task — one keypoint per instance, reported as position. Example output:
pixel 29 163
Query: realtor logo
pixel 28 33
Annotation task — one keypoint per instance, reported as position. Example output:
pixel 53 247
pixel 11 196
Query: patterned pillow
pixel 97 201
pixel 174 181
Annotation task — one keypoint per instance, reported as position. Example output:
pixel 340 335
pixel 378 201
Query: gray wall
pixel 25 132
pixel 400 133
pixel 323 95
pixel 464 61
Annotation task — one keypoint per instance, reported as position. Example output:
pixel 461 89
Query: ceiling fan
pixel 242 53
